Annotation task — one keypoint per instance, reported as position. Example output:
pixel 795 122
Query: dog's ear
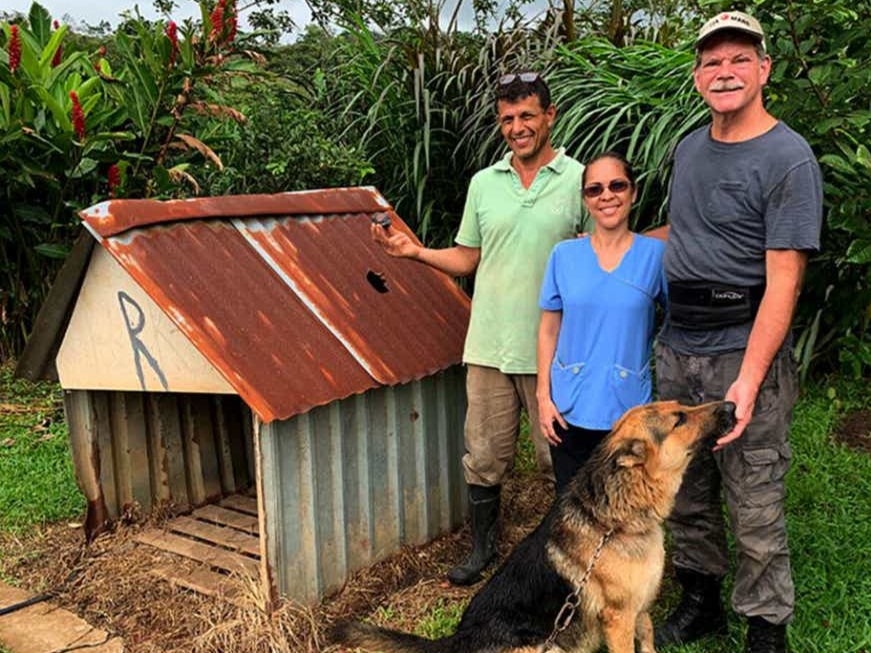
pixel 631 453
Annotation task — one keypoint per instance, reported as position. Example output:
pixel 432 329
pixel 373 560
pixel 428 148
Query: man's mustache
pixel 725 86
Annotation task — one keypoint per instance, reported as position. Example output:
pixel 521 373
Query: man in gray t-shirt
pixel 745 211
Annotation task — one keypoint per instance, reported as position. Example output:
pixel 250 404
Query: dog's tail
pixel 372 638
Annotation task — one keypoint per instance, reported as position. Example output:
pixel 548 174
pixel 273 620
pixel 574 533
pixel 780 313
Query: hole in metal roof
pixel 377 281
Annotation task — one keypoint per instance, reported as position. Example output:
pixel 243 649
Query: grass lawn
pixel 829 510
pixel 36 473
pixel 828 507
pixel 829 522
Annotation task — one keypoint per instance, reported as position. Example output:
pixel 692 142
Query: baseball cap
pixel 734 20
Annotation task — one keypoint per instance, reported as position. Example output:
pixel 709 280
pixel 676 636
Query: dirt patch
pixel 110 584
pixel 855 431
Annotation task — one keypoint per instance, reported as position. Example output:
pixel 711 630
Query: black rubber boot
pixel 484 509
pixel 699 613
pixel 765 637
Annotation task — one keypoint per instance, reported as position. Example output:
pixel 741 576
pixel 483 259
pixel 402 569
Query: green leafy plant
pixel 80 125
pixel 417 103
pixel 821 86
pixel 408 107
pixel 285 144
pixel 639 99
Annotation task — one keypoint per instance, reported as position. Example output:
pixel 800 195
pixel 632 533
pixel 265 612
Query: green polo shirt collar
pixel 557 164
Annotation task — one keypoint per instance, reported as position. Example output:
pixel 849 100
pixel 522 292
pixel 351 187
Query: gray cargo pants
pixel 751 473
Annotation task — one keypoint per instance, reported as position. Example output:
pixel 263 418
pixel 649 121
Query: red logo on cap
pixel 725 17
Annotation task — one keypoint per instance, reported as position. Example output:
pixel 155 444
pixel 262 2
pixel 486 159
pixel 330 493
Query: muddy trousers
pixel 748 474
pixel 493 424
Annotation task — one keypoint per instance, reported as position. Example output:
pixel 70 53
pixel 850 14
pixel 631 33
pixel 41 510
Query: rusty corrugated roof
pixel 286 295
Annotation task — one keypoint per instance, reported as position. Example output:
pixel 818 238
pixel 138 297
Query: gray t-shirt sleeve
pixel 793 211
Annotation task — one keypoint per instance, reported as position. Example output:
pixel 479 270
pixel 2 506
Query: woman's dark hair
pixel 611 154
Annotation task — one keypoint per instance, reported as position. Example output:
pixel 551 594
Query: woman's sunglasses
pixel 615 186
pixel 526 78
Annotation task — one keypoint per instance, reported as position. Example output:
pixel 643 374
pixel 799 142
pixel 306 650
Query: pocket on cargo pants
pixel 763 577
pixel 763 472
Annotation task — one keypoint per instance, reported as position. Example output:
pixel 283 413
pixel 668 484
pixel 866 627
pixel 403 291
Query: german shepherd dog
pixel 627 488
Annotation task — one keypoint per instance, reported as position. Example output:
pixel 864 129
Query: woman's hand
pixel 548 332
pixel 547 415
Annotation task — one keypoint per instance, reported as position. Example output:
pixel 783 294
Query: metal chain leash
pixel 567 613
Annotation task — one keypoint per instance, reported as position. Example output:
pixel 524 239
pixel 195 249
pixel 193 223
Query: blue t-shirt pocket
pixel 566 384
pixel 631 387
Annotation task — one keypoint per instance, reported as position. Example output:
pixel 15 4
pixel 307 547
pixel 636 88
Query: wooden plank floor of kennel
pixel 223 539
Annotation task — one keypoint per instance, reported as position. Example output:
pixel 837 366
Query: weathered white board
pixel 119 339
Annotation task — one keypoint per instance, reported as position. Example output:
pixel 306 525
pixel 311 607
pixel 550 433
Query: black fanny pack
pixel 704 305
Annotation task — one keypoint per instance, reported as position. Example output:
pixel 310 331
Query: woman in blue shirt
pixel 598 302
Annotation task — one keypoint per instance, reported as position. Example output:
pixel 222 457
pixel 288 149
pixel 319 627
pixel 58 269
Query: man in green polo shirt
pixel 516 211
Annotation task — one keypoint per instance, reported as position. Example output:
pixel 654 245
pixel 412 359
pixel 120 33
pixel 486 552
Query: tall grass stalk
pixel 637 99
pixel 419 104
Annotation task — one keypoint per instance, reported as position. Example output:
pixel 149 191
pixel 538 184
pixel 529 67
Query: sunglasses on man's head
pixel 615 186
pixel 526 78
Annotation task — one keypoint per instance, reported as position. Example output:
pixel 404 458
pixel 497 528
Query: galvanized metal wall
pixel 153 449
pixel 345 485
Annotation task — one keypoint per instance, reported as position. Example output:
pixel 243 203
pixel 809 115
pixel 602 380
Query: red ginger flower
pixel 172 35
pixel 217 19
pixel 77 116
pixel 224 22
pixel 55 23
pixel 58 54
pixel 231 32
pixel 113 176
pixel 98 64
pixel 14 48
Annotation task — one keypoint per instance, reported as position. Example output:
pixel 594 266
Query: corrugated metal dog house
pixel 230 343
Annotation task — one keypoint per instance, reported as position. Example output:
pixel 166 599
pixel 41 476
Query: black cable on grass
pixel 45 596
pixel 23 604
